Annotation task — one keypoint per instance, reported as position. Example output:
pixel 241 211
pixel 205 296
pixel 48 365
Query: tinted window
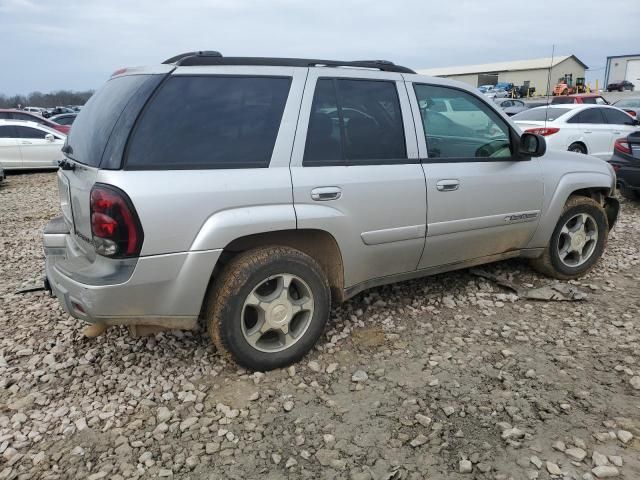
pixel 94 124
pixel 210 122
pixel 560 100
pixel 28 132
pixel 6 131
pixel 64 120
pixel 616 117
pixel 540 114
pixel 475 131
pixel 5 115
pixel 628 103
pixel 590 115
pixel 355 121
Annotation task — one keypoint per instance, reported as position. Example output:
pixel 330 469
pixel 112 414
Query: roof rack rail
pixel 200 53
pixel 202 58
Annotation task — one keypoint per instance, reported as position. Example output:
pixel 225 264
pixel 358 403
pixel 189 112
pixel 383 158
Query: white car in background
pixel 589 129
pixel 29 145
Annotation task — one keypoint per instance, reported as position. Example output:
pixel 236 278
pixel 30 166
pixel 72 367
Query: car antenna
pixel 546 110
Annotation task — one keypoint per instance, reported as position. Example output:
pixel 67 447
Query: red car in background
pixel 10 114
pixel 580 98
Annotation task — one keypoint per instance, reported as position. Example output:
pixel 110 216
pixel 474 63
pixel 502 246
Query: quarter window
pixel 210 122
pixel 6 131
pixel 474 131
pixel 354 122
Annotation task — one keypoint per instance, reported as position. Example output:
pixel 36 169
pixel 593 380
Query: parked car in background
pixel 294 184
pixel 36 110
pixel 50 112
pixel 620 86
pixel 629 105
pixel 626 163
pixel 29 145
pixel 511 106
pixel 590 98
pixel 495 93
pixel 32 117
pixel 2 174
pixel 588 129
pixel 64 119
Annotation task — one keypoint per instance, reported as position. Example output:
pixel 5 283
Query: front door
pixel 9 150
pixel 481 199
pixel 356 173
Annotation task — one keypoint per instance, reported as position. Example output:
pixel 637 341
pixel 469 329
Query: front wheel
pixel 577 242
pixel 268 308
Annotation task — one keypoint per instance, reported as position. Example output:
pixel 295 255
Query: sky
pixel 47 45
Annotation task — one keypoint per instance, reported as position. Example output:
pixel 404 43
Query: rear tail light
pixel 115 226
pixel 622 145
pixel 544 131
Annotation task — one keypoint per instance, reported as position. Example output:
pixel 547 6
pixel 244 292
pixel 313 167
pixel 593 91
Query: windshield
pixel 94 124
pixel 540 114
pixel 630 102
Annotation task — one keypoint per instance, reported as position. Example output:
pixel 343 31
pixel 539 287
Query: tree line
pixel 46 100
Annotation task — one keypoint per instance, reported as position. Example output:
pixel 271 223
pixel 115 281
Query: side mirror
pixel 636 121
pixel 49 137
pixel 532 145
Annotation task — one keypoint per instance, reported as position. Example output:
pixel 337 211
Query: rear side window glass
pixel 28 132
pixel 355 122
pixel 591 115
pixel 199 122
pixel 616 117
pixel 541 113
pixel 94 124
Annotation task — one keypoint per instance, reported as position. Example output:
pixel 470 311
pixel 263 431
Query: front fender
pixel 554 203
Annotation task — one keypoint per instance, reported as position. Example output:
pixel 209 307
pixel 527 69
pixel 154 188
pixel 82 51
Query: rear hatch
pixel 97 141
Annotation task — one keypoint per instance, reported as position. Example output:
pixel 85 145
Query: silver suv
pixel 253 192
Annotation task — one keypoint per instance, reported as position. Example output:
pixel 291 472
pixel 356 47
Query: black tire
pixel 226 298
pixel 577 147
pixel 628 193
pixel 550 264
pixel 621 89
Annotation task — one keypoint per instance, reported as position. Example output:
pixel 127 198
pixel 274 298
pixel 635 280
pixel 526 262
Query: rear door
pixel 10 156
pixel 596 133
pixel 482 200
pixel 36 150
pixel 356 173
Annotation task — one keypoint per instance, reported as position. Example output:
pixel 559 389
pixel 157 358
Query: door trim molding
pixel 390 235
pixel 478 223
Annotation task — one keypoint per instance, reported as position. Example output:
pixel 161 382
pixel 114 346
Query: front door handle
pixel 324 194
pixel 25 142
pixel 588 131
pixel 448 185
pixel 617 133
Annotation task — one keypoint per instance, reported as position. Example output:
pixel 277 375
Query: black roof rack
pixel 215 58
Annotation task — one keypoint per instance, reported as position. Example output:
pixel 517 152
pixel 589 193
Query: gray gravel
pixel 446 377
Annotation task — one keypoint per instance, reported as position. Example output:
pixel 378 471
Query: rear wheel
pixel 577 242
pixel 268 308
pixel 578 148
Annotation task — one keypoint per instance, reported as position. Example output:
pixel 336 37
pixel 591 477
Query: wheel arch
pixel 318 244
pixel 594 185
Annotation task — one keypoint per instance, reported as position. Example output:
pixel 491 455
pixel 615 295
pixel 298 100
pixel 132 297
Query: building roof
pixel 534 64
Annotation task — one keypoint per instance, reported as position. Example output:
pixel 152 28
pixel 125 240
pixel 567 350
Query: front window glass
pixel 471 130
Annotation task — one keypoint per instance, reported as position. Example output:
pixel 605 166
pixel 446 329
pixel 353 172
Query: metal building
pixel 518 72
pixel 623 67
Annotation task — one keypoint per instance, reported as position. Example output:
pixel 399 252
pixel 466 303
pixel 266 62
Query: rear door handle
pixel 447 185
pixel 25 142
pixel 324 194
pixel 587 132
pixel 617 133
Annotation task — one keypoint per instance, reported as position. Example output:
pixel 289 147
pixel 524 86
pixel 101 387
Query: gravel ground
pixel 446 377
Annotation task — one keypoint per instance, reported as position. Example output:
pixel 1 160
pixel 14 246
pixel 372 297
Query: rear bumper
pixel 164 290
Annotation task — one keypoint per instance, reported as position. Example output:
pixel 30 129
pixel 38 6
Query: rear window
pixel 540 114
pixel 94 124
pixel 561 100
pixel 209 121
